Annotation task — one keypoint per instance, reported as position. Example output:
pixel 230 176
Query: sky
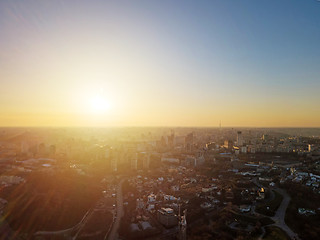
pixel 160 63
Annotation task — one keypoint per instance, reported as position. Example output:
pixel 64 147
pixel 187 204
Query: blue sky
pixel 209 58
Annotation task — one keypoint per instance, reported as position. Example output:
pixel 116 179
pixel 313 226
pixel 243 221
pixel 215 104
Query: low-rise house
pixel 245 208
pixel 151 198
pixel 307 212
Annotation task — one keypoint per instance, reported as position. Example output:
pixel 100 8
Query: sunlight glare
pixel 99 104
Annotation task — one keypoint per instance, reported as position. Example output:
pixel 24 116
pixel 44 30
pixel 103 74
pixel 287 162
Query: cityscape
pixel 159 120
pixel 160 183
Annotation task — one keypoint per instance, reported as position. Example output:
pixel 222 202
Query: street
pixel 119 213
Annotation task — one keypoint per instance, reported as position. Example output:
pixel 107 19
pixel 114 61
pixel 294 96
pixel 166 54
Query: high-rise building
pixel 146 161
pixel 24 147
pixel 189 142
pixel 171 140
pixel 114 165
pixel 239 139
pixel 134 162
pixel 112 155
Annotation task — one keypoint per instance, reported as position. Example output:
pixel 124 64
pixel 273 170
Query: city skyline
pixel 160 63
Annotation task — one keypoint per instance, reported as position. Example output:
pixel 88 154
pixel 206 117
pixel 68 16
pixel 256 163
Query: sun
pixel 99 104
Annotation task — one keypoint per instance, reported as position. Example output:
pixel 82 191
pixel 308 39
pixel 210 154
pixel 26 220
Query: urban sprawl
pixel 159 183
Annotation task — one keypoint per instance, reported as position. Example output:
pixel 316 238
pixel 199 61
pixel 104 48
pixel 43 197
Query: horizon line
pixel 168 126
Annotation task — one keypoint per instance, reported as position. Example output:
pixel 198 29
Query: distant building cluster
pixel 172 178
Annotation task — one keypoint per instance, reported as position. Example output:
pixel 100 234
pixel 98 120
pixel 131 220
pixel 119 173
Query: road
pixel 68 231
pixel 119 213
pixel 83 222
pixel 281 213
pixel 76 230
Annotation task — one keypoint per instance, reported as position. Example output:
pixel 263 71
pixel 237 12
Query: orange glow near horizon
pixel 107 64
